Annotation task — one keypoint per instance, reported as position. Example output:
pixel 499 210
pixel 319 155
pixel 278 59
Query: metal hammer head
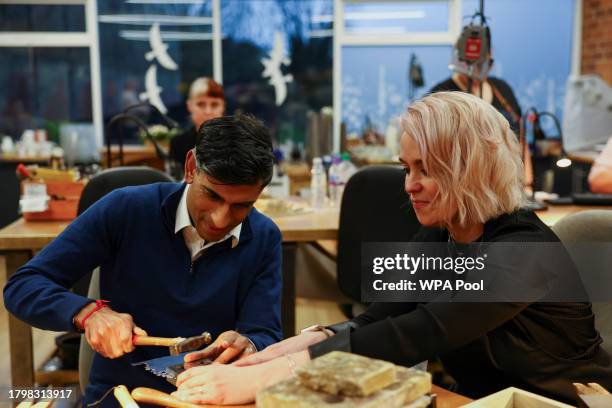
pixel 190 344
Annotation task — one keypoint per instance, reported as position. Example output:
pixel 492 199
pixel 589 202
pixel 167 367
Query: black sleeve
pixel 432 329
pixel 406 334
pixel 342 339
pixel 429 330
pixel 379 311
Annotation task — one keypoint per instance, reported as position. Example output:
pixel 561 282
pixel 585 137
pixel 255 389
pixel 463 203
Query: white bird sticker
pixel 159 50
pixel 152 90
pixel 272 69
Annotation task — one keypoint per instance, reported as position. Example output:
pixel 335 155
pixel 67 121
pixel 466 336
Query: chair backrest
pixel 591 226
pixel 107 181
pixel 100 185
pixel 375 208
pixel 86 353
pixel 111 179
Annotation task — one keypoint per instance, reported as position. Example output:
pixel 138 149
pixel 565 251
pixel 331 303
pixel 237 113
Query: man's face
pixel 203 108
pixel 216 208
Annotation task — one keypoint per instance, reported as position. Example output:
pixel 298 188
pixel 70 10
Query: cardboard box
pixel 58 210
pixel 62 200
pixel 516 398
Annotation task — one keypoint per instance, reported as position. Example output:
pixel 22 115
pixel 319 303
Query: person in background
pixel 205 101
pixel 176 259
pixel 493 90
pixel 464 176
pixel 600 176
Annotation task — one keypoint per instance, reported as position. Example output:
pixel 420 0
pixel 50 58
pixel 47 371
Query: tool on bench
pixel 171 366
pixel 151 396
pixel 123 397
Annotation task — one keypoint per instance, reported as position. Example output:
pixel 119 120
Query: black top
pixel 504 90
pixel 541 347
pixel 181 144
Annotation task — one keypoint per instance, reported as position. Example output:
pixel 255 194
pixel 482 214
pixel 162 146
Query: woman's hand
pixel 222 384
pixel 218 384
pixel 293 344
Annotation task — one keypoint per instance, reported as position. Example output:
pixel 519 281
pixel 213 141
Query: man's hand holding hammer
pixel 107 332
pixel 228 347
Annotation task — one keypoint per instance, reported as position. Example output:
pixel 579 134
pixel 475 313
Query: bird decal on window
pixel 159 50
pixel 272 69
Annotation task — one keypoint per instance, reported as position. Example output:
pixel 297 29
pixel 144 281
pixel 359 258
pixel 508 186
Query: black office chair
pixel 590 226
pixel 111 179
pixel 374 208
pixel 100 185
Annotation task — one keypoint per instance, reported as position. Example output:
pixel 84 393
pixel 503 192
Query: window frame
pixel 341 40
pixel 89 39
pixel 86 39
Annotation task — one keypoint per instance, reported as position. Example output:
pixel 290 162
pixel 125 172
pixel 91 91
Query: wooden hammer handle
pixel 155 341
pixel 123 396
pixel 151 396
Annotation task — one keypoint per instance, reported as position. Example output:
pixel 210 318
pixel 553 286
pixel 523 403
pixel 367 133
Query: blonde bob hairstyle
pixel 469 151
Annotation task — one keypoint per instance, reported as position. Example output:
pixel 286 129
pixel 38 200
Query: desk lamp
pixel 125 115
pixel 141 125
pixel 531 116
pixel 563 160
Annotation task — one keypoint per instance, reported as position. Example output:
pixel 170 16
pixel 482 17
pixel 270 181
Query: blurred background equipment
pixel 143 128
pixel 319 133
pixel 415 76
pixel 79 143
pixel 587 117
pixel 471 55
pixel 552 170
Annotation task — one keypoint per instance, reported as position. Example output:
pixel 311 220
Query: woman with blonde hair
pixel 464 176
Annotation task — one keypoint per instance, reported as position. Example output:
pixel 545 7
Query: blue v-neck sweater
pixel 146 271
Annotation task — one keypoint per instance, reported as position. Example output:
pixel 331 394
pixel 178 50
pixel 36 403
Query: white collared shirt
pixel 194 242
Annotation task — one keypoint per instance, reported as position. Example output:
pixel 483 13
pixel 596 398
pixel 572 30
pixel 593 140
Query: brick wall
pixel 597 38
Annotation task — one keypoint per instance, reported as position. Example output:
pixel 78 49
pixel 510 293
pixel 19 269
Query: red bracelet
pixel 100 304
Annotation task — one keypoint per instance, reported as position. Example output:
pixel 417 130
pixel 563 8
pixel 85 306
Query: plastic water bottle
pixel 335 181
pixel 327 162
pixel 318 183
pixel 346 170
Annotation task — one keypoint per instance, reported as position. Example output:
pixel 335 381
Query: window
pixel 45 60
pixel 378 41
pixel 49 18
pixel 393 18
pixel 280 71
pixel 532 54
pixel 375 86
pixel 43 87
pixel 152 52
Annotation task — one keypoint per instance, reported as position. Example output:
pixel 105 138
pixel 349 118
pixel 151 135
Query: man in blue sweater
pixel 175 260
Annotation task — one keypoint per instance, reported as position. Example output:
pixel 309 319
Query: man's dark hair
pixel 235 150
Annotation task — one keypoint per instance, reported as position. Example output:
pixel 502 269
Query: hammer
pixel 155 397
pixel 176 345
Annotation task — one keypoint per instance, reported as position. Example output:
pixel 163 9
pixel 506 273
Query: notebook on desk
pixel 583 199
